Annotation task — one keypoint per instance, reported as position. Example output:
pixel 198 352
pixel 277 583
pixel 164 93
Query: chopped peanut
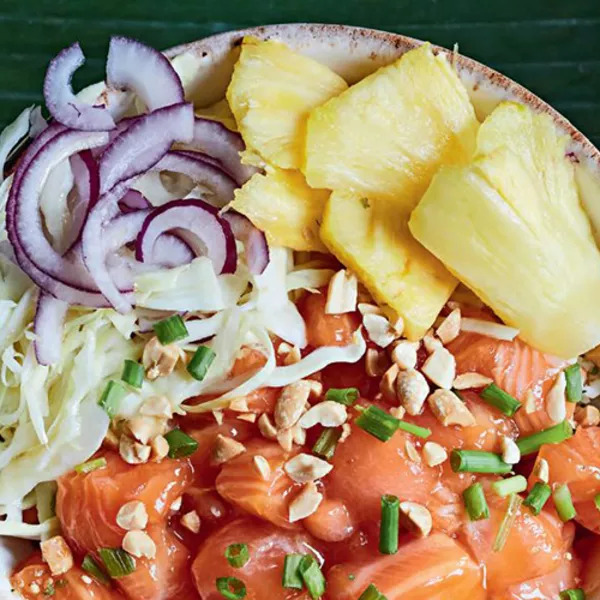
pixel 541 470
pixel 510 451
pixel 139 544
pixel 404 354
pixel 248 417
pixel 239 404
pixel 431 343
pixel 285 439
pixel 440 368
pixel 225 449
pixel 416 518
pixel 305 503
pixel 157 406
pixel 530 402
pixel 132 515
pixel 146 428
pixel 450 327
pixel 218 415
pixel 556 401
pixel 266 427
pixel 434 454
pixel 305 467
pixel 346 431
pixel 398 412
pixel 587 416
pixel 291 404
pixel 327 413
pixel 365 308
pixel 468 381
pixel 376 363
pixel 449 409
pixel 133 452
pixel 191 521
pixel 342 293
pixel 412 390
pixel 292 357
pixel 387 385
pixel 298 435
pixel 57 554
pixel 159 360
pixel 412 452
pixel 261 464
pixel 379 330
pixel 159 447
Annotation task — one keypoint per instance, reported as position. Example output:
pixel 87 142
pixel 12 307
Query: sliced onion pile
pixel 108 152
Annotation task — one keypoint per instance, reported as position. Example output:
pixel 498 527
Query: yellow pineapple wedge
pixel 271 93
pixel 511 227
pixel 387 135
pixel 281 204
pixel 371 239
pixel 219 111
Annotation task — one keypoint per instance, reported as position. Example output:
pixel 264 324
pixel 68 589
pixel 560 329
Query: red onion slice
pixel 134 66
pixel 200 171
pixel 171 251
pixel 254 240
pixel 214 139
pixel 198 224
pixel 62 102
pixel 50 315
pixel 133 201
pixel 144 143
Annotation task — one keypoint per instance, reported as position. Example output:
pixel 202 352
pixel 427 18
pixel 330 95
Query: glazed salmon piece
pixel 432 568
pixel 267 546
pixel 515 367
pixel 70 586
pixel 365 468
pixel 331 522
pixel 240 483
pixel 536 545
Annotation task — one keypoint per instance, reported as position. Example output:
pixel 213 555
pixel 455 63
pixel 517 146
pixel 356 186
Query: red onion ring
pixel 198 224
pixel 171 251
pixel 62 103
pixel 50 315
pixel 254 240
pixel 132 201
pixel 143 70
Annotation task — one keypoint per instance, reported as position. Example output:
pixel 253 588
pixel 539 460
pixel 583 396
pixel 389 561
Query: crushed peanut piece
pixel 218 415
pixel 431 343
pixel 57 554
pixel 412 452
pixel 157 406
pixel 283 349
pixel 298 435
pixel 305 503
pixel 111 440
pixel 398 412
pixel 225 449
pixel 266 427
pixel 440 368
pixel 34 588
pixel 133 452
pixel 587 416
pixel 132 515
pixel 379 330
pixel 556 401
pixel 249 417
pixel 541 470
pixel 305 467
pixel 292 357
pixel 510 451
pixel 376 363
pixel 327 413
pixel 449 409
pixel 346 431
pixel 412 390
pixel 291 404
pixel 159 447
pixel 468 381
pixel 450 327
pixel 342 293
pixel 285 439
pixel 416 518
pixel 87 580
pixel 404 354
pixel 316 388
pixel 365 308
pixel 387 385
pixel 139 544
pixel 530 405
pixel 239 404
pixel 146 428
pixel 176 504
pixel 159 360
pixel 434 454
pixel 261 464
pixel 191 521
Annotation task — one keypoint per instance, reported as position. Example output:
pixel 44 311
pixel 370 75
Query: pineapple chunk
pixel 373 240
pixel 511 227
pixel 387 135
pixel 219 111
pixel 282 205
pixel 271 93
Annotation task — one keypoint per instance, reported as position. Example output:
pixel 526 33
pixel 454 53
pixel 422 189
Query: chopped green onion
pixel 388 530
pixel 553 435
pixel 117 562
pixel 326 444
pixel 498 398
pixel 378 423
pixel 90 565
pixel 200 363
pixel 170 330
pixel 572 594
pixel 291 572
pixel 538 496
pixel 49 589
pixel 237 555
pixel 180 444
pixel 312 576
pixel 597 501
pixel 372 593
pixel 347 396
pixel 91 465
pixel 421 432
pixel 231 588
pixel 563 502
pixel 133 373
pixel 574 390
pixel 510 485
pixel 508 521
pixel 111 398
pixel 477 461
pixel 475 502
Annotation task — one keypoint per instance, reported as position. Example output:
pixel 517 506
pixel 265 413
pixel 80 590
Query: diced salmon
pixel 576 462
pixel 240 483
pixel 515 367
pixel 87 506
pixel 366 468
pixel 536 545
pixel 432 568
pixel 323 329
pixel 331 522
pixel 267 546
pixel 33 580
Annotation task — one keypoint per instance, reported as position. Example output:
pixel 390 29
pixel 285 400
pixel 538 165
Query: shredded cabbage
pixel 12 135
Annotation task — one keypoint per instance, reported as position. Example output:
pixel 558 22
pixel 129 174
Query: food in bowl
pixel 321 337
